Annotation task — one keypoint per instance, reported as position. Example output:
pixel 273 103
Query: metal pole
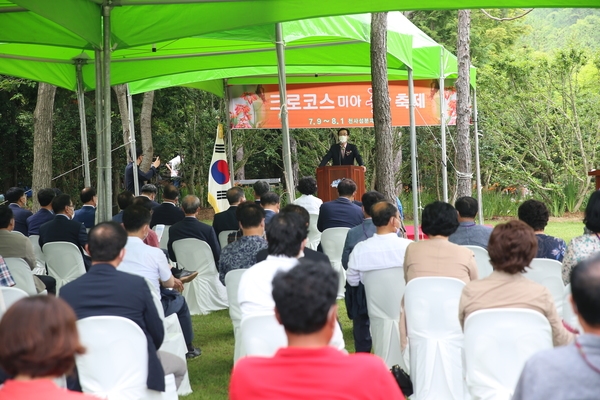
pixel 285 129
pixel 477 166
pixel 443 128
pixel 87 181
pixel 229 140
pixel 99 138
pixel 413 151
pixel 107 114
pixel 136 178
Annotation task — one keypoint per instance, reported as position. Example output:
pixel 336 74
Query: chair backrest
pixel 223 235
pixel 482 258
pixel 548 273
pixel 314 236
pixel 498 342
pixel 435 336
pixel 262 335
pixel 384 289
pixel 232 283
pixel 156 299
pixel 22 275
pixel 164 238
pixel 194 255
pixel 568 314
pixel 332 241
pixel 64 262
pixel 37 250
pixel 10 295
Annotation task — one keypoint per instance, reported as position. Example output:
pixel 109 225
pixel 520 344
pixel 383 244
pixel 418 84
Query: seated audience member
pixel 149 190
pixel 124 200
pixel 142 176
pixel 341 212
pixel 241 254
pixel 305 304
pixel 168 213
pixel 468 232
pixel 63 229
pixel 152 238
pixel 356 303
pixel 191 228
pixel 6 279
pixel 17 200
pixel 584 246
pixel 151 263
pixel 39 343
pixel 309 254
pixel 18 246
pixel 260 188
pixel 106 291
pixel 570 372
pixel 87 213
pixel 228 220
pixel 308 187
pixel 44 214
pixel 270 202
pixel 535 214
pixel 511 248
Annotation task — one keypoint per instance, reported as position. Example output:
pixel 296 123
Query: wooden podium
pixel 595 173
pixel 328 176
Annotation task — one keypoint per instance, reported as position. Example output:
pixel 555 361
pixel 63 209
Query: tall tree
pixel 42 139
pixel 463 152
pixel 121 92
pixel 146 130
pixel 382 118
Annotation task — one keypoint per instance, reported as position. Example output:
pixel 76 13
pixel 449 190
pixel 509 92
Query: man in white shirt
pixel 151 263
pixel 384 249
pixel 286 237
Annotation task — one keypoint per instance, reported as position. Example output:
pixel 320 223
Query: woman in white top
pixel 308 187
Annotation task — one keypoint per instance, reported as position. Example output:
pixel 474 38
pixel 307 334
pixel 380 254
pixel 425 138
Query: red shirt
pixel 38 389
pixel 323 373
pixel 152 239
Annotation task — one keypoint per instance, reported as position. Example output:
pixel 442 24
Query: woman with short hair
pixel 308 187
pixel 535 214
pixel 39 343
pixel 512 246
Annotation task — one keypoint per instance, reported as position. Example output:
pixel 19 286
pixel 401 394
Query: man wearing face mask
pixel 343 153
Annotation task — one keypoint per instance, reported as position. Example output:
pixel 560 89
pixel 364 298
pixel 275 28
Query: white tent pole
pixel 413 151
pixel 87 181
pixel 99 138
pixel 477 166
pixel 136 178
pixel 107 211
pixel 228 127
pixel 287 154
pixel 443 127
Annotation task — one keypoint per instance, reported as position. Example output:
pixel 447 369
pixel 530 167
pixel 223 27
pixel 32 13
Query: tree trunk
pixel 121 92
pixel 397 165
pixel 295 167
pixel 240 173
pixel 384 138
pixel 464 183
pixel 42 139
pixel 146 130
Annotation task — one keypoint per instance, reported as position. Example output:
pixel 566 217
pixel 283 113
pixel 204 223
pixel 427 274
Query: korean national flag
pixel 218 176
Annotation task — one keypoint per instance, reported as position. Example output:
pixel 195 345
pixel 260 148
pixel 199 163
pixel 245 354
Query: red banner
pixel 335 105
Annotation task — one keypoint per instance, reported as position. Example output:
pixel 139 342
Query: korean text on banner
pixel 218 176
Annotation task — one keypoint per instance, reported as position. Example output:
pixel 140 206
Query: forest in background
pixel 538 95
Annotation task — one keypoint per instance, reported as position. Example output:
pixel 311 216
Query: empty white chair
pixel 332 242
pixel 232 283
pixel 262 335
pixel 22 275
pixel 10 295
pixel 548 273
pixel 206 293
pixel 568 314
pixel 39 255
pixel 482 258
pixel 314 236
pixel 384 289
pixel 498 342
pixel 64 262
pixel 115 364
pixel 436 337
pixel 223 235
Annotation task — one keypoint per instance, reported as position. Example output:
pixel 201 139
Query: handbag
pixel 403 380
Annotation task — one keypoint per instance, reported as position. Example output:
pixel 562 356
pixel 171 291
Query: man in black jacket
pixel 343 153
pixel 227 220
pixel 168 213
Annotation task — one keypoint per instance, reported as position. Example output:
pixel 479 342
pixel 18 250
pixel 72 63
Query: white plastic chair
pixel 10 295
pixel 22 275
pixel 498 342
pixel 332 242
pixel 206 293
pixel 482 259
pixel 232 283
pixel 384 289
pixel 548 273
pixel 223 236
pixel 162 231
pixel 115 364
pixel 568 314
pixel 262 335
pixel 436 338
pixel 64 262
pixel 39 255
pixel 314 236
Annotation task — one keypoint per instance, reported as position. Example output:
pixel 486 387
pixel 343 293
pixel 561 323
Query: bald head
pixel 190 204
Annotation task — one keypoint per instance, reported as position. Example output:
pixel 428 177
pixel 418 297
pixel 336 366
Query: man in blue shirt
pixel 468 232
pixel 44 214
